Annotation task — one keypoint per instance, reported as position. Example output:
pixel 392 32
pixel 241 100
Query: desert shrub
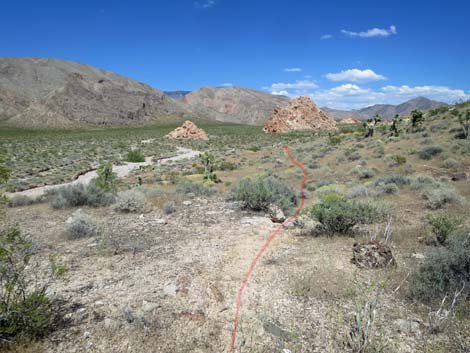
pixel 258 193
pixel 358 191
pixel 224 165
pixel 97 196
pixel 195 189
pixel 366 173
pixel 442 196
pixel 397 159
pixel 169 208
pixel 444 270
pixel 25 308
pixel 135 156
pixel 80 225
pixel 398 180
pixel 339 214
pixel 389 188
pixel 131 201
pixel 428 153
pixel 21 200
pixel 423 181
pixel 330 188
pixel 443 225
pixel 77 195
pixel 451 163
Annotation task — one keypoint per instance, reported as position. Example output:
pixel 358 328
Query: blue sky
pixel 344 54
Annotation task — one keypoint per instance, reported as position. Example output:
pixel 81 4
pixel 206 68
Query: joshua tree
pixel 106 177
pixel 208 161
pixel 417 117
pixel 464 120
pixel 395 128
pixel 370 125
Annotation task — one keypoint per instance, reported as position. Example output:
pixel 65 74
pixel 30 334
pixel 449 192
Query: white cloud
pixel 326 36
pixel 373 32
pixel 293 69
pixel 281 93
pixel 441 93
pixel 205 4
pixel 297 85
pixel 227 84
pixel 355 75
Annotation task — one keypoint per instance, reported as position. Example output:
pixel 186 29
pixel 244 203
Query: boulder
pixel 372 254
pixel 275 214
pixel 299 114
pixel 188 130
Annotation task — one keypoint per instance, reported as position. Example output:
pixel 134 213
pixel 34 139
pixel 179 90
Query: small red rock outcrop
pixel 188 130
pixel 299 114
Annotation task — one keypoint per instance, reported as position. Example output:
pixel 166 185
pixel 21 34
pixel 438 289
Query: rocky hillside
pixel 233 104
pixel 43 93
pixel 299 114
pixel 176 95
pixel 388 111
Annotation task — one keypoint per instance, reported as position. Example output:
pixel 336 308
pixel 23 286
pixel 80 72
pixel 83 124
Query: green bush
pixel 398 180
pixel 439 197
pixel 196 189
pixel 259 193
pixel 25 308
pixel 443 226
pixel 131 201
pixel 80 225
pixel 397 159
pixel 77 195
pixel 389 188
pixel 428 153
pixel 135 156
pixel 444 270
pixel 339 214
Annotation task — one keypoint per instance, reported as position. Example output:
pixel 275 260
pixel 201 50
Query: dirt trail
pixel 120 170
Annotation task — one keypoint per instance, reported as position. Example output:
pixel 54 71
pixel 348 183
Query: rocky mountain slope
pixel 299 114
pixel 176 95
pixel 388 111
pixel 233 104
pixel 38 92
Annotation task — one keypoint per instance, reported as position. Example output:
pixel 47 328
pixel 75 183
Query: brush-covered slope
pixel 44 93
pixel 233 104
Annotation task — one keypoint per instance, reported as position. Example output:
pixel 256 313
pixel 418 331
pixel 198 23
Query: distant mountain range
pixel 388 111
pixel 45 93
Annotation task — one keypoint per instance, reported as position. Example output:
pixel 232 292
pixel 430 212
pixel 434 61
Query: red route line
pixel 266 244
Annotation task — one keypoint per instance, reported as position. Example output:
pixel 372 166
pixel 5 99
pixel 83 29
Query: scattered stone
pixel 372 254
pixel 407 326
pixel 197 315
pixel 148 307
pixel 219 297
pixel 188 130
pixel 275 214
pixel 111 324
pixel 299 114
pixel 170 290
pixel 418 256
pixel 161 221
pixel 275 330
pixel 187 203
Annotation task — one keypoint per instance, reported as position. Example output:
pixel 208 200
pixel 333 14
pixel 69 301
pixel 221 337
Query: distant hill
pixel 40 93
pixel 233 104
pixel 176 95
pixel 388 111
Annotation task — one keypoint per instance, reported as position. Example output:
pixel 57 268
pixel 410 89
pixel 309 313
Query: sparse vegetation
pixel 135 156
pixel 428 153
pixel 257 194
pixel 77 195
pixel 339 214
pixel 131 201
pixel 80 225
pixel 444 271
